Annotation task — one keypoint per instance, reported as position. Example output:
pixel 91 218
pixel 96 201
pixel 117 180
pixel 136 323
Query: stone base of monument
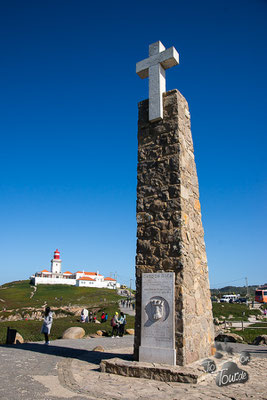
pixel 193 373
pixel 158 372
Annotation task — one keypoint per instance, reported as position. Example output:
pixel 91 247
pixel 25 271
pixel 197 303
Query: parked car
pixel 241 300
pixel 228 298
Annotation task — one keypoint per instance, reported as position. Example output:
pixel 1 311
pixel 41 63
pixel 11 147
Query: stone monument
pixel 174 322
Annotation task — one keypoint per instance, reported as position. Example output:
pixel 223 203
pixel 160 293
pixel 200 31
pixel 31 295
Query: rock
pixel 230 316
pixel 18 339
pixel 97 322
pixel 229 337
pixel 13 337
pixel 260 340
pixel 216 321
pixel 73 333
pixel 94 335
pixel 99 333
pixel 130 331
pixel 99 348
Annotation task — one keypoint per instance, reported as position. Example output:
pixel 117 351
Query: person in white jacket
pixel 47 324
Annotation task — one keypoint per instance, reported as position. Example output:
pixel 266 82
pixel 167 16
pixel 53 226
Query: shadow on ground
pixel 93 357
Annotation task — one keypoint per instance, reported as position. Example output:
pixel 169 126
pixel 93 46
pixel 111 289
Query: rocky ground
pixel 69 369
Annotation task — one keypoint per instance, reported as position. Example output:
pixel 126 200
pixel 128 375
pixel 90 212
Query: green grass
pixel 30 330
pixel 250 334
pixel 260 324
pixel 236 310
pixel 16 295
pixel 16 299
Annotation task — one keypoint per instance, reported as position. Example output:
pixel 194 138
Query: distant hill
pixel 21 294
pixel 242 290
pixel 22 306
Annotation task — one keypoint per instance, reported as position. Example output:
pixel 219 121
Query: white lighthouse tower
pixel 56 263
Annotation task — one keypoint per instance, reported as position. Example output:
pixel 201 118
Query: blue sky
pixel 68 127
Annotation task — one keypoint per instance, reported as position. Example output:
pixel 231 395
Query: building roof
pixel 85 278
pixel 88 273
pixel 45 270
pixel 109 279
pixel 67 272
pixel 92 273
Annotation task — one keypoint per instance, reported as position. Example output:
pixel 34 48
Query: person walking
pixel 115 325
pixel 122 322
pixel 47 324
pixel 103 318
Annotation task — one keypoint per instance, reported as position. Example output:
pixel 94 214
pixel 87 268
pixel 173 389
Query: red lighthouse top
pixel 56 255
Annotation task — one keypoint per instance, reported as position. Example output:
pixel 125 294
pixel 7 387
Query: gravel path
pixel 68 369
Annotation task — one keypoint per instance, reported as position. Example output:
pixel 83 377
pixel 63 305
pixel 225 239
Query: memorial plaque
pixel 157 318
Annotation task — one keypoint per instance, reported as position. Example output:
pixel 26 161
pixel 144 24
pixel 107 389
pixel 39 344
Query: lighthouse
pixel 56 263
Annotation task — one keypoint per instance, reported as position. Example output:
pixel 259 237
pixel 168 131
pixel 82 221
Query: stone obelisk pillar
pixel 170 236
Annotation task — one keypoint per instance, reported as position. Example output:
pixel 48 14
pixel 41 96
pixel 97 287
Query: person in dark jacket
pixel 122 322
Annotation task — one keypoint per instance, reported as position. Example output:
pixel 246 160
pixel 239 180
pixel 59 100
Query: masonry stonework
pixel 170 236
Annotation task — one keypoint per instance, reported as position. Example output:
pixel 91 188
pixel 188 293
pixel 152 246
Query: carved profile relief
pixel 157 309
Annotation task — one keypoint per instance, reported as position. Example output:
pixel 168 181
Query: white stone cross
pixel 154 67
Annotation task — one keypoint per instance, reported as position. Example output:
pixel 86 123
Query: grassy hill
pixel 21 299
pixel 242 290
pixel 17 295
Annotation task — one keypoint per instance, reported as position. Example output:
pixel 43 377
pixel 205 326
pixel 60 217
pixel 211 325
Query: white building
pixel 79 278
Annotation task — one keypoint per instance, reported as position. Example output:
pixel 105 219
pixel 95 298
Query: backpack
pixel 112 322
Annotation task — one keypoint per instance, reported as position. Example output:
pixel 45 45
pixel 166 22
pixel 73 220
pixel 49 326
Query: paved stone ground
pixel 68 369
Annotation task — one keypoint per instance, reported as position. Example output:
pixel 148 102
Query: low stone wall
pixel 158 372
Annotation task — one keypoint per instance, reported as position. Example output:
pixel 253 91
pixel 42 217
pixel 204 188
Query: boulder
pixel 94 335
pixel 259 340
pixel 130 331
pixel 99 348
pixel 13 337
pixel 216 321
pixel 73 333
pixel 99 333
pixel 97 322
pixel 229 337
pixel 18 338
